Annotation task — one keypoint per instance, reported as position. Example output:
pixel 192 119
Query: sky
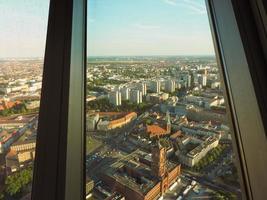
pixel 23 26
pixel 148 27
pixel 115 28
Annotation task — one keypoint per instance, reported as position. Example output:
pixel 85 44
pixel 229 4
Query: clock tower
pixel 158 160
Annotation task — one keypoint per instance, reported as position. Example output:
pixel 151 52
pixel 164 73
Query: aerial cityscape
pixel 157 129
pixel 20 88
pixel 156 120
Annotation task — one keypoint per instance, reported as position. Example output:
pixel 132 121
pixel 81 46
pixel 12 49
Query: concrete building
pixel 203 80
pixel 33 104
pixel 215 85
pixel 23 145
pixel 199 131
pixel 185 79
pixel 204 102
pixel 170 86
pixel 157 97
pixel 142 176
pixel 105 125
pixel 136 96
pixel 155 86
pixel 115 98
pixel 178 109
pixel 143 88
pixel 125 93
pixel 91 121
pixel 20 155
pixel 193 156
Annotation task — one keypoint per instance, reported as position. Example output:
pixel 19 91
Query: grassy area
pixel 92 144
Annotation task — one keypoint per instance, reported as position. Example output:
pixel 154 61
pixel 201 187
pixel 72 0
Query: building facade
pixel 115 98
pixel 155 86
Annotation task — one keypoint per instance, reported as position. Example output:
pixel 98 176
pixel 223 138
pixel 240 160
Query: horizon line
pixel 88 56
pixel 150 55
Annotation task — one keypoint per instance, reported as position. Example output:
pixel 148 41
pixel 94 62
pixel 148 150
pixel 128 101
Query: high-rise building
pixel 203 80
pixel 125 93
pixel 136 96
pixel 188 81
pixel 115 98
pixel 142 88
pixel 170 86
pixel 155 86
pixel 185 79
pixel 140 97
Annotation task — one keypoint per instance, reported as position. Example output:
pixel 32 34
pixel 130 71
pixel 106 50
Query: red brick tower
pixel 158 161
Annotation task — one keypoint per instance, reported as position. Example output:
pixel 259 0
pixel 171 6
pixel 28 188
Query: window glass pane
pixel 22 38
pixel 156 118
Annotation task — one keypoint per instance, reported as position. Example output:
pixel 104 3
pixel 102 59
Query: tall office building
pixel 188 81
pixel 125 93
pixel 170 86
pixel 155 86
pixel 142 88
pixel 185 79
pixel 136 96
pixel 115 98
pixel 203 80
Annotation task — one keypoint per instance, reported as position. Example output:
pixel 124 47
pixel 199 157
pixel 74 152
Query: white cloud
pixel 195 6
pixel 171 2
pixel 192 5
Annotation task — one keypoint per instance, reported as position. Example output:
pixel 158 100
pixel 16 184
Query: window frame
pixel 245 111
pixel 60 152
pixel 60 149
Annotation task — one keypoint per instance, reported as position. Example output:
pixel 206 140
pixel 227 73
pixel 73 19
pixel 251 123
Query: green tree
pixel 15 183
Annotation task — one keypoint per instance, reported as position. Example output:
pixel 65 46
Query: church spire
pixel 168 120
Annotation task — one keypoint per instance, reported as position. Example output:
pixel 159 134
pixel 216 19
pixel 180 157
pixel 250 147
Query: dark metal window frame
pixel 59 166
pixel 59 163
pixel 242 69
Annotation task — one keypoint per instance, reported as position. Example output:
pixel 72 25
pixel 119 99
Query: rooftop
pixel 144 181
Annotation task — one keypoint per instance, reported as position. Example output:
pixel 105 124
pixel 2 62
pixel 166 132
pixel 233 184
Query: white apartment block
pixel 115 98
pixel 155 86
pixel 136 96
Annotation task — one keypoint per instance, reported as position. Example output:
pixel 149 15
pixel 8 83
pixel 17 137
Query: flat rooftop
pixel 144 181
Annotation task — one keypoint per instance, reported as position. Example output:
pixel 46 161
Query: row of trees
pixel 210 158
pixel 105 81
pixel 90 88
pixel 104 105
pixel 220 195
pixel 16 109
pixel 16 184
pixel 101 104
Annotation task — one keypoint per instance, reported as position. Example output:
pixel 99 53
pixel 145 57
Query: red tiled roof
pixel 11 153
pixel 155 130
pixel 177 134
pixel 123 119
